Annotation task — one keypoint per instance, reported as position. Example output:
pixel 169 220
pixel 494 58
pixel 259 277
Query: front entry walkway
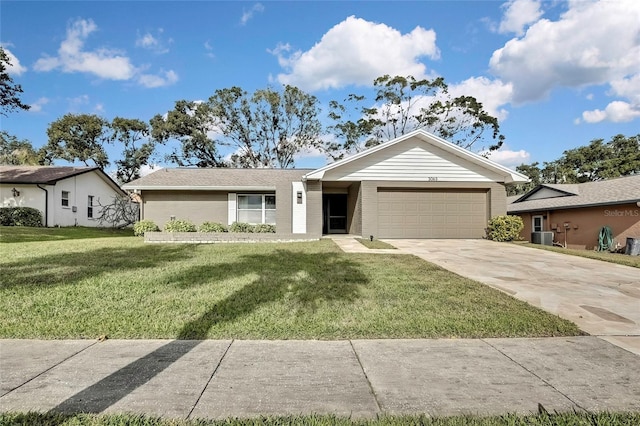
pixel 602 298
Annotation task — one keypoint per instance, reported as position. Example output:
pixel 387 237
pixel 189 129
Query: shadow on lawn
pixel 303 278
pixel 72 267
pixel 25 234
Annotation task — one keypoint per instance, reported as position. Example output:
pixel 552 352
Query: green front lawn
pixel 23 234
pixel 375 244
pixel 560 419
pixel 123 288
pixel 620 259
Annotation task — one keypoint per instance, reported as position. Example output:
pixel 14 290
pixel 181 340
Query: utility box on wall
pixel 543 238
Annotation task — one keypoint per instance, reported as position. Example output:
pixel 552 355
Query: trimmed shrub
pixel 241 227
pixel 264 228
pixel 139 228
pixel 179 225
pixel 505 228
pixel 212 227
pixel 20 216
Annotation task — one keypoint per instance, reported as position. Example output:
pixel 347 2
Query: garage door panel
pixel 431 213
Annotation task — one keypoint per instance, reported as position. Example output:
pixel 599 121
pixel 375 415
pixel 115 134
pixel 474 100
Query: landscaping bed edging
pixel 223 237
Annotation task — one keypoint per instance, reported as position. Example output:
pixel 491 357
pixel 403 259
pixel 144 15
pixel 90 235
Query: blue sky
pixel 557 74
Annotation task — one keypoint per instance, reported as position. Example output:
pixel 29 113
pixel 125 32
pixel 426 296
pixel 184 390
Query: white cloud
pixel 508 157
pixel 518 14
pixel 165 78
pixel 492 93
pixel 149 168
pixel 154 43
pixel 104 63
pixel 592 43
pixel 209 48
pixel 38 104
pixel 356 51
pixel 248 14
pixel 616 111
pixel 16 68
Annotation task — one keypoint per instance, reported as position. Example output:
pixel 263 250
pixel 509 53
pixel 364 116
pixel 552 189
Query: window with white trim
pixel 90 206
pixel 65 198
pixel 256 208
pixel 537 223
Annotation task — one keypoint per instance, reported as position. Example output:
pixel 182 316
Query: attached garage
pixel 432 213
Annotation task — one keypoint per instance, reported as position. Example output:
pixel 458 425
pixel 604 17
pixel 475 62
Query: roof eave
pixel 198 188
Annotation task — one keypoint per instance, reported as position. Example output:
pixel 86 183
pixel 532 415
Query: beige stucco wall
pixel 314 207
pixel 196 206
pixel 585 224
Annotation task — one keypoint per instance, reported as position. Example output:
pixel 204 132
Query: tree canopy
pixel 131 133
pixel 265 129
pixel 78 137
pixel 403 104
pixel 9 91
pixel 597 161
pixel 17 152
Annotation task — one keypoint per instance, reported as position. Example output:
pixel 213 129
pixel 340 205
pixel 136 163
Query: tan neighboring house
pixel 575 213
pixel 415 186
pixel 66 196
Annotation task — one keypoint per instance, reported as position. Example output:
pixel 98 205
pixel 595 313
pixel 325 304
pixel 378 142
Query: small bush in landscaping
pixel 212 227
pixel 179 225
pixel 505 228
pixel 241 227
pixel 139 228
pixel 20 216
pixel 264 228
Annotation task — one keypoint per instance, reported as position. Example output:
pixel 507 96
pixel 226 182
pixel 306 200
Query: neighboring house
pixel 415 186
pixel 575 213
pixel 66 196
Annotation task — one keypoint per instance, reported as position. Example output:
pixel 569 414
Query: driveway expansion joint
pixel 534 375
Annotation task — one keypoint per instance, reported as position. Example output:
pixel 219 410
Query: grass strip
pixel 556 419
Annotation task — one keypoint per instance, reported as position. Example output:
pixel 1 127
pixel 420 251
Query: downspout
pixel 46 205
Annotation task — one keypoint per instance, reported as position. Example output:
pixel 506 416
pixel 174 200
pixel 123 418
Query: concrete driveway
pixel 602 298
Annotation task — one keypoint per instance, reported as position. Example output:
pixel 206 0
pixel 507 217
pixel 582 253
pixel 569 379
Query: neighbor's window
pixel 90 207
pixel 538 223
pixel 65 198
pixel 257 208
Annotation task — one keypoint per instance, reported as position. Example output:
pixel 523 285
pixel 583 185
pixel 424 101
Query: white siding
pixel 30 196
pixel 412 160
pixel 299 211
pixel 545 193
pixel 79 187
pixel 232 208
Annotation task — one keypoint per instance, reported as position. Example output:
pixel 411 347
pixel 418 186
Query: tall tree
pixel 597 161
pixel 130 132
pixel 189 123
pixel 78 137
pixel 403 104
pixel 17 152
pixel 9 91
pixel 265 129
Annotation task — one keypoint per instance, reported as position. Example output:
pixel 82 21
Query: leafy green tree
pixel 17 152
pixel 9 91
pixel 78 137
pixel 130 132
pixel 597 161
pixel 189 123
pixel 403 104
pixel 265 129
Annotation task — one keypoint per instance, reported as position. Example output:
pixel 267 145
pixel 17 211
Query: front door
pixel 334 217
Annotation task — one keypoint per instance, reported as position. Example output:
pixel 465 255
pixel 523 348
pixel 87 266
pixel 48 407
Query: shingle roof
pixel 613 191
pixel 40 174
pixel 209 178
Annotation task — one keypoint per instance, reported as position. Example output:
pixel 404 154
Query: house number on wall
pixel 432 179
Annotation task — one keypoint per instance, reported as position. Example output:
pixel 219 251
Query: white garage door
pixel 432 213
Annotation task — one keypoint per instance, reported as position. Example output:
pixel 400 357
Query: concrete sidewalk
pixel 357 378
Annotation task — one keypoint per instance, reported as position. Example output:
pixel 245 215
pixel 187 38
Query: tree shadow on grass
pixel 25 234
pixel 307 278
pixel 72 267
